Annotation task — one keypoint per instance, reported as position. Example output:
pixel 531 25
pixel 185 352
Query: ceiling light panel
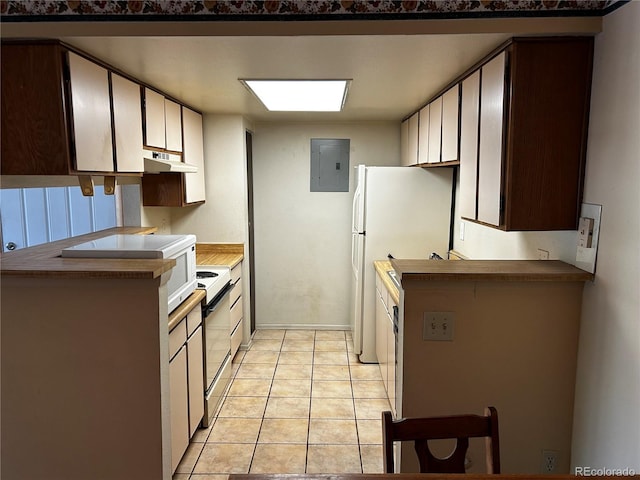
pixel 300 95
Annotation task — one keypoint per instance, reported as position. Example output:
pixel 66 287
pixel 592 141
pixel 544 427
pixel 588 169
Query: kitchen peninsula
pixel 85 375
pixel 511 342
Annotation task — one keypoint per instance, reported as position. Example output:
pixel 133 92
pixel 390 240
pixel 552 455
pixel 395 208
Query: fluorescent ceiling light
pixel 300 95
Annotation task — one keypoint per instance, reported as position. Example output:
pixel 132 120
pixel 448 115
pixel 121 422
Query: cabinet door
pixel 404 143
pixel 413 139
pixel 470 112
pixel 193 153
pixel 381 337
pixel 450 109
pixel 491 131
pixel 423 136
pixel 154 130
pixel 391 360
pixel 173 125
pixel 435 130
pixel 91 113
pixel 196 379
pixel 127 121
pixel 178 394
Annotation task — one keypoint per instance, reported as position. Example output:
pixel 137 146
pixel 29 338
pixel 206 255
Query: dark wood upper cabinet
pixel 58 114
pixel 527 171
pixel 35 133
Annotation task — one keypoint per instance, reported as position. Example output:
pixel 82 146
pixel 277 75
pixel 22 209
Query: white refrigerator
pixel 400 211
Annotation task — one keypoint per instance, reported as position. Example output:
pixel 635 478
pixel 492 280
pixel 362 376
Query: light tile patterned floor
pixel 299 402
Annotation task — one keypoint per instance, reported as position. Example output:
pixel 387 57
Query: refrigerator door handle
pixel 356 210
pixel 354 254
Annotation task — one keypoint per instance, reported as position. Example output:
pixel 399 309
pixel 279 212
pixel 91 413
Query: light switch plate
pixel 438 326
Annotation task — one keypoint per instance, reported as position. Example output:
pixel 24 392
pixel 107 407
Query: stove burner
pixel 206 274
pixel 201 285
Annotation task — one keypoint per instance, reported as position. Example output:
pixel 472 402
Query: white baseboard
pixel 302 326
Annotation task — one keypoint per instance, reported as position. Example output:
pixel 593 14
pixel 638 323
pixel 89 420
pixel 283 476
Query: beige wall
pixel 607 413
pixel 223 217
pixel 302 239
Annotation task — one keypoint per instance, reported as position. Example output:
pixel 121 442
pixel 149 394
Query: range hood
pixel 156 162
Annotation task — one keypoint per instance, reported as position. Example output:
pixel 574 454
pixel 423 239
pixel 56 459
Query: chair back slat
pixel 459 427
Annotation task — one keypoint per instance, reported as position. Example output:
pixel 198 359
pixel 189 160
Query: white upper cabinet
pixel 413 139
pixel 173 125
pixel 127 121
pixel 154 119
pixel 470 112
pixel 491 130
pixel 435 130
pixel 193 154
pixel 91 110
pixel 409 141
pixel 450 109
pixel 163 122
pixel 423 136
pixel 404 143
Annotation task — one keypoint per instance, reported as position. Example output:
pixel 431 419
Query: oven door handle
pixel 213 304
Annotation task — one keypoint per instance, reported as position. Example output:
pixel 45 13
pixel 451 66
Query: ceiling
pixel 392 75
pixel 395 67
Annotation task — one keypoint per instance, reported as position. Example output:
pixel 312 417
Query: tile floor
pixel 299 402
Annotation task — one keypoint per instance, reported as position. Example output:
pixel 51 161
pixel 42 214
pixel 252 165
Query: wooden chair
pixel 460 427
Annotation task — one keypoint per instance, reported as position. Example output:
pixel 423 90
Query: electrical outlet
pixel 438 326
pixel 549 461
pixel 585 232
pixel 587 237
pixel 543 254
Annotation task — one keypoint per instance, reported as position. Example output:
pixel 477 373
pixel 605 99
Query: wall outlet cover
pixel 549 461
pixel 586 256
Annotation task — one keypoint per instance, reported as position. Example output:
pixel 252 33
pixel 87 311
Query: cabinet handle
pixel 10 246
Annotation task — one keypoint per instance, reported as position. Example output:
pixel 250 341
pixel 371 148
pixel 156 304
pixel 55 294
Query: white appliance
pixel 400 211
pixel 216 321
pixel 181 248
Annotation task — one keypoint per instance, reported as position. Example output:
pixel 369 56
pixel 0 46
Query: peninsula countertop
pixel 488 270
pixel 44 260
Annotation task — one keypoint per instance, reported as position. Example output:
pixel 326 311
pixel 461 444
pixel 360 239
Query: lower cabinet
pixel 179 395
pixel 237 313
pixel 186 382
pixel 386 341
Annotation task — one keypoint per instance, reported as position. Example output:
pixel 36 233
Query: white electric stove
pixel 213 279
pixel 216 318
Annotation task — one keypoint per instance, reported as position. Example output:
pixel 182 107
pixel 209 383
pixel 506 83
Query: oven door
pixel 217 348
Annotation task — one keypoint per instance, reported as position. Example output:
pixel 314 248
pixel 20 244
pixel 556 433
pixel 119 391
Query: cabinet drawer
pixel 236 273
pixel 236 338
pixel 236 315
pixel 236 292
pixel 177 338
pixel 194 319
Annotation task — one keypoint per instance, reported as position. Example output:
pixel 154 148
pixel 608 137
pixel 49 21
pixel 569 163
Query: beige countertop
pixel 488 270
pixel 224 254
pixel 382 267
pixel 45 261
